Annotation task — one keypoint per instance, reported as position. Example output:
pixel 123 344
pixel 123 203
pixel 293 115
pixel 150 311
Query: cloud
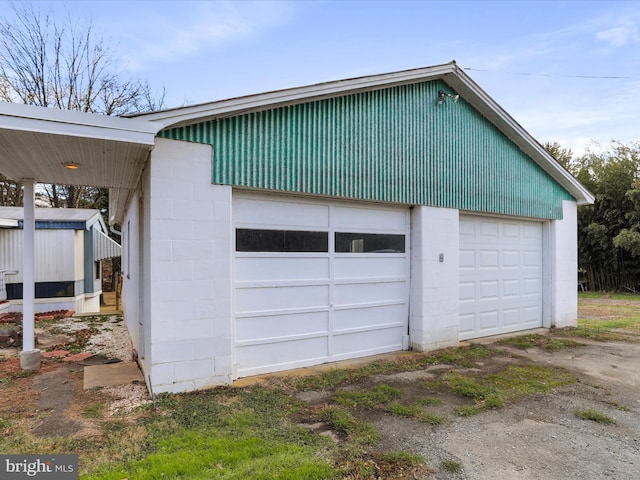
pixel 201 26
pixel 624 34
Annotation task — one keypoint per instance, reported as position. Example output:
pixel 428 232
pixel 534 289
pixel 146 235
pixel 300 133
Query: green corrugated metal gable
pixel 391 145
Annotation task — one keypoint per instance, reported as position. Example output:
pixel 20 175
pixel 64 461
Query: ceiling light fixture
pixel 442 96
pixel 71 165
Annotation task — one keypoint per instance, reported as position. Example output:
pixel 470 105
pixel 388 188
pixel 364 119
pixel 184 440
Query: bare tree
pixel 61 64
pixel 11 193
pixel 50 63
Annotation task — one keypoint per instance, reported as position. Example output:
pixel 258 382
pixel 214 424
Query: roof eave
pixel 15 116
pixel 481 101
pixel 450 73
pixel 241 105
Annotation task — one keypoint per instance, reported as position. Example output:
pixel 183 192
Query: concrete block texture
pixel 564 267
pixel 434 278
pixel 189 264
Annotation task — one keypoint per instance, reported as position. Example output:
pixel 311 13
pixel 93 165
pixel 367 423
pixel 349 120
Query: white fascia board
pixel 96 219
pixel 15 116
pixel 240 105
pixel 479 99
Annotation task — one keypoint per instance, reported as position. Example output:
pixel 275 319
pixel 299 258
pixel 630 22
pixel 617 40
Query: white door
pixel 317 282
pixel 500 276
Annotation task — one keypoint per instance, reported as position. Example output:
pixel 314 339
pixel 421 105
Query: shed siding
pixel 392 145
pixel 55 258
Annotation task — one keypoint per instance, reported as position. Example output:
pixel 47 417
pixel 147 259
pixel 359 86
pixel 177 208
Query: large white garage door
pixel 500 276
pixel 317 282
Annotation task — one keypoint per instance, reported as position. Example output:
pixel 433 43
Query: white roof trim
pixel 450 73
pixel 236 106
pixel 15 116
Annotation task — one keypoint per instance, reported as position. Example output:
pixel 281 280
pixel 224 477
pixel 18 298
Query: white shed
pixel 70 243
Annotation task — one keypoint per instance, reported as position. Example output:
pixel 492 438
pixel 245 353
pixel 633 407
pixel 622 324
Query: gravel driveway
pixel 540 437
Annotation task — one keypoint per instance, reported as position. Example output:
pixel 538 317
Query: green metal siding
pixel 392 145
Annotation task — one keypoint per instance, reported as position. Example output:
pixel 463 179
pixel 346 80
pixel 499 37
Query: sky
pixel 567 71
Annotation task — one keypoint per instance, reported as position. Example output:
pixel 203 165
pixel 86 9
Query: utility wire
pixel 545 74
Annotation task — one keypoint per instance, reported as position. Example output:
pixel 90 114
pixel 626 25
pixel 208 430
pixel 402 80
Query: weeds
pixel 595 416
pixel 430 401
pixel 415 411
pixel 360 433
pixel 467 410
pixel 540 341
pixel 366 400
pixel 465 356
pixel 94 411
pixel 492 391
pixel 451 466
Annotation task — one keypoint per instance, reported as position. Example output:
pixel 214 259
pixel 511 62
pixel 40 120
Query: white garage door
pixel 317 282
pixel 500 276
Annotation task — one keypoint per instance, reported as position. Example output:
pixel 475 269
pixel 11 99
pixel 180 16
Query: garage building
pixel 340 220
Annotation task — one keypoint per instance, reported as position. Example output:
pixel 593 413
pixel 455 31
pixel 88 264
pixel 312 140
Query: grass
pixel 545 342
pixel 595 416
pixel 609 296
pixel 451 466
pixel 220 434
pixel 384 396
pixel 367 399
pixel 341 420
pixel 249 432
pixel 492 391
pixel 467 410
pixel 94 411
pixel 416 411
pixel 199 455
pixel 605 320
pixel 465 356
pixel 601 330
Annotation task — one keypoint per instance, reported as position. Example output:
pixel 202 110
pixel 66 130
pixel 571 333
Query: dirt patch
pixel 54 392
pixel 52 400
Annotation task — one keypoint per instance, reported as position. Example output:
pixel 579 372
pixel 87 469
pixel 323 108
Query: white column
pixel 435 278
pixel 564 267
pixel 30 358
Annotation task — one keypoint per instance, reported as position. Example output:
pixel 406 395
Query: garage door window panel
pixel 369 243
pixel 255 240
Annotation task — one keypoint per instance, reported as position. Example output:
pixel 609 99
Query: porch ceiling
pixel 38 143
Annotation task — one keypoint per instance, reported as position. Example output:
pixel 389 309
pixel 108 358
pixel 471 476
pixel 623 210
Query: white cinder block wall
pixel 131 299
pixel 181 275
pixel 564 267
pixel 189 270
pixel 435 285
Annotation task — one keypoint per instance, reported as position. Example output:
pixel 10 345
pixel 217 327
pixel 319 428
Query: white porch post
pixel 30 357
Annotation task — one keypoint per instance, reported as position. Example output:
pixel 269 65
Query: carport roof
pixel 41 144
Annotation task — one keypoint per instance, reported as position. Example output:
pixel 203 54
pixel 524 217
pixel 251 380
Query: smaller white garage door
pixel 317 282
pixel 500 276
